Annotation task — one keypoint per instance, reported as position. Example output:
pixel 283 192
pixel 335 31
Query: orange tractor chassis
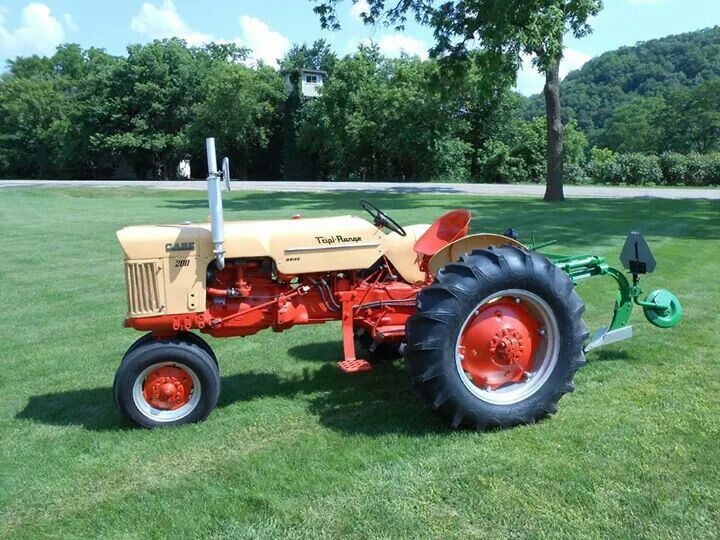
pixel 378 304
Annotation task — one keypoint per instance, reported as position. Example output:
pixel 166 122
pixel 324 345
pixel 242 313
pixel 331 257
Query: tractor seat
pixel 445 230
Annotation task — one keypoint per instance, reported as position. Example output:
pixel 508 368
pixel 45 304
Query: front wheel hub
pixel 167 388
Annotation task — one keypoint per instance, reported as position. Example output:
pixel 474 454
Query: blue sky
pixel 270 26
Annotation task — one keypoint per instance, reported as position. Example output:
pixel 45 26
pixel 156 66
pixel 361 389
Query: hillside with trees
pixel 642 80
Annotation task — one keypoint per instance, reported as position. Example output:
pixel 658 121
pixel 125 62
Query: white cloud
pixel 530 81
pixel 267 45
pixel 393 45
pixel 70 23
pixel 360 7
pixel 40 32
pixel 163 21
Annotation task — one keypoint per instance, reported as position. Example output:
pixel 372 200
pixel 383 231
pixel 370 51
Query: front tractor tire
pixel 185 336
pixel 496 339
pixel 167 382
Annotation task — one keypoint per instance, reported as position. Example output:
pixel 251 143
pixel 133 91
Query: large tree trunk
pixel 554 187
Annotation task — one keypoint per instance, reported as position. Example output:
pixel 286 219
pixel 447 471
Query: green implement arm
pixel 661 307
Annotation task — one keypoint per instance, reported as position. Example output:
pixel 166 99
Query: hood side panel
pixel 297 246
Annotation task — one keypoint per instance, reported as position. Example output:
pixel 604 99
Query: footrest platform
pixel 354 366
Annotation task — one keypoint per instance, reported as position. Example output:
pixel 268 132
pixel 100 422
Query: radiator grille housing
pixel 143 290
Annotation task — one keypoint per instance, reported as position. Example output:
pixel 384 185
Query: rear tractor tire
pixel 167 382
pixel 496 339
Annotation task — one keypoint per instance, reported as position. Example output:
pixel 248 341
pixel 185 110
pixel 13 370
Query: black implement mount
pixel 636 255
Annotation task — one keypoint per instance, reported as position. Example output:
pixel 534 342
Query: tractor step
pixel 354 366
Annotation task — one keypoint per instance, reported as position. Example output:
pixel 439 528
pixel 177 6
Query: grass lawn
pixel 296 449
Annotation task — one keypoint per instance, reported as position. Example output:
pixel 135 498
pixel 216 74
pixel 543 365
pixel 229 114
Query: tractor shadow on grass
pixel 92 408
pixel 379 402
pixel 375 403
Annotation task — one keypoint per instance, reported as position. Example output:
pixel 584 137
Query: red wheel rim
pixel 499 342
pixel 167 388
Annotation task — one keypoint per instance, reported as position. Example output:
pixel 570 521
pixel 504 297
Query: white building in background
pixel 311 80
pixel 183 170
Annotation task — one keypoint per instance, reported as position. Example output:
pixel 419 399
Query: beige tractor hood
pixel 297 246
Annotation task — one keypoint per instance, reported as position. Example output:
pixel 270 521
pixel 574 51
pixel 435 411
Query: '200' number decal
pixel 182 262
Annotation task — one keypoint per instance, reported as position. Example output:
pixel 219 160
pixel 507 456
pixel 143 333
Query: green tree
pixel 515 152
pixel 242 109
pixel 53 106
pixel 686 120
pixel 83 77
pixel 487 113
pixel 637 126
pixel 384 118
pixel 506 31
pixel 151 102
pixel 317 56
pixel 31 112
pixel 297 164
pixel 693 119
pixel 152 93
pixel 81 112
pixel 651 68
pixel 30 66
pixel 341 126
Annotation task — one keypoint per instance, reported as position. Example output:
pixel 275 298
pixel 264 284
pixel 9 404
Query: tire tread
pixel 442 307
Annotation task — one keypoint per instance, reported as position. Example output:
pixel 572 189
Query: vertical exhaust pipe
pixel 217 223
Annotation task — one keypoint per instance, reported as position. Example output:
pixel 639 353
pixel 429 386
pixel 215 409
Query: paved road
pixel 391 187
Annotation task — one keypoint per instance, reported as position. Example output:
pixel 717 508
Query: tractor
pixel 491 330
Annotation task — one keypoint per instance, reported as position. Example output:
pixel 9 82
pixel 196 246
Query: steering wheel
pixel 381 219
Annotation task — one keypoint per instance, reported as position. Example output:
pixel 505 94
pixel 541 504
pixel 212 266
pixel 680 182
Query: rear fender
pixel 453 251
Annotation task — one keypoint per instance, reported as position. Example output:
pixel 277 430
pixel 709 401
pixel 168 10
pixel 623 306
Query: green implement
pixel 661 307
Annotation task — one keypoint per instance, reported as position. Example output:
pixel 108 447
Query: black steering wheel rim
pixel 381 219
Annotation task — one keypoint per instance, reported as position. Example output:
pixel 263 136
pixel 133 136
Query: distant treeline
pixel 88 114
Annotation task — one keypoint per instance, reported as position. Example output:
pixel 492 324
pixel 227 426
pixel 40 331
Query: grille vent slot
pixel 142 288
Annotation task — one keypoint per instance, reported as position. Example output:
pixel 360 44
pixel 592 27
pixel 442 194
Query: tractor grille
pixel 142 288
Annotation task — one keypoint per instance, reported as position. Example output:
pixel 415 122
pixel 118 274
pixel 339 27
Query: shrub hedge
pixel 670 168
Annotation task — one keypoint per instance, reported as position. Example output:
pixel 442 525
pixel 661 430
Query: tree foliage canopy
pixel 319 55
pixel 502 31
pixel 498 34
pixel 83 113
